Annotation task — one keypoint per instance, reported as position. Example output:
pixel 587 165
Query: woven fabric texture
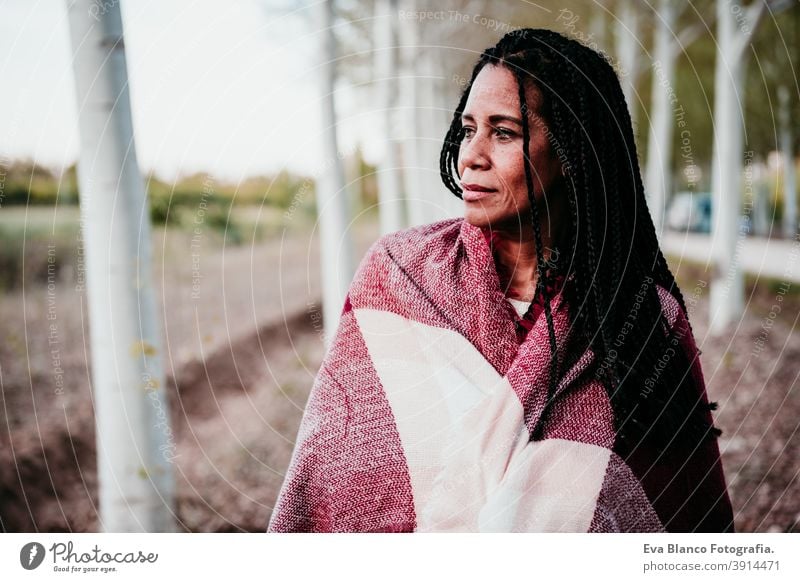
pixel 419 418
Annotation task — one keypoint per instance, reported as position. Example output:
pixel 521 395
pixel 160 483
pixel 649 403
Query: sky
pixel 223 86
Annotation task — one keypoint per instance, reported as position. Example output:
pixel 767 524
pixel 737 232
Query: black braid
pixel 609 241
pixel 541 279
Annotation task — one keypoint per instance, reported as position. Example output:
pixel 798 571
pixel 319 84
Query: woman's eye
pixel 467 132
pixel 504 134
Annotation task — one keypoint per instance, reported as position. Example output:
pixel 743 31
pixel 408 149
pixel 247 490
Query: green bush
pixel 34 254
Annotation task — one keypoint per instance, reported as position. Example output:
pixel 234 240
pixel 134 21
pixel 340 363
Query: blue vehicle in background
pixel 690 211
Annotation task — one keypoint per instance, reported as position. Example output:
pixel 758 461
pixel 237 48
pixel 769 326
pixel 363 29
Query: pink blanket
pixel 420 416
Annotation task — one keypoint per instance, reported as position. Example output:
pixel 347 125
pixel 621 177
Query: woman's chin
pixel 476 216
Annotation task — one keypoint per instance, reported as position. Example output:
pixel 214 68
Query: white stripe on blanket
pixel 471 465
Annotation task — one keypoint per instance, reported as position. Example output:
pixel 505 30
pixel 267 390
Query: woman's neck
pixel 516 255
pixel 515 251
pixel 514 247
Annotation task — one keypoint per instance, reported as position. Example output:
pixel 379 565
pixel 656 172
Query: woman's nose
pixel 474 153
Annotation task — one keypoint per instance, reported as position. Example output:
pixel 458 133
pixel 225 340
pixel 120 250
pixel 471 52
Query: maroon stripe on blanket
pixel 687 488
pixel 583 414
pixel 529 374
pixel 622 505
pixel 348 472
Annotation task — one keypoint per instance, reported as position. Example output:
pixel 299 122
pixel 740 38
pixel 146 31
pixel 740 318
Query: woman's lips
pixel 475 192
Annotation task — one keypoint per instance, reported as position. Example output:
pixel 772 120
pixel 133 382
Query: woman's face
pixel 490 160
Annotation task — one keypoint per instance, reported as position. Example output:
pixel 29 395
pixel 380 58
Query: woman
pixel 530 367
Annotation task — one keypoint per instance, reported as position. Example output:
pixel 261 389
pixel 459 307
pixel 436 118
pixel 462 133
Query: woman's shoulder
pixel 425 234
pixel 398 264
pixel 416 241
pixel 417 250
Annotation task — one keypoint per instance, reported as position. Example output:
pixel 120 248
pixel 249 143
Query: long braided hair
pixel 614 260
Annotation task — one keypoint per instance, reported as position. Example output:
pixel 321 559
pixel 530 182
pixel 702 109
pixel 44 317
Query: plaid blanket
pixel 420 416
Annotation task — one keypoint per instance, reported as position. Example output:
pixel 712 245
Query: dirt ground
pixel 240 361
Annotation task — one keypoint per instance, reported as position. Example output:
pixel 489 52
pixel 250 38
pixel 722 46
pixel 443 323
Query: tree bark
pixel 627 34
pixel 391 204
pixel 734 31
pixel 336 254
pixel 135 445
pixel 659 149
pixel 789 173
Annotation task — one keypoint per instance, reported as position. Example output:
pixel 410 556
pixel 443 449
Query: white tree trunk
pixel 392 207
pixel 761 214
pixel 438 202
pixel 135 443
pixel 734 30
pixel 429 101
pixel 430 111
pixel 333 209
pixel 659 149
pixel 597 26
pixel 789 174
pixel 412 156
pixel 445 102
pixel 626 29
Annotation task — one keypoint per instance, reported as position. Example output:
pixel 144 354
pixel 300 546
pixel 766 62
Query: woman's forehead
pixel 496 87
